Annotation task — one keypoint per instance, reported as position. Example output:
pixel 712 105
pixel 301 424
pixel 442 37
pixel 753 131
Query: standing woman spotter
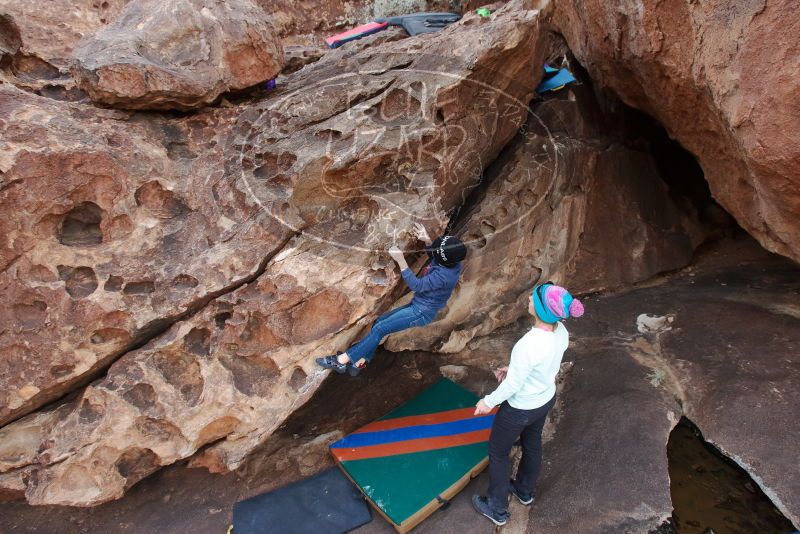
pixel 526 393
pixel 431 292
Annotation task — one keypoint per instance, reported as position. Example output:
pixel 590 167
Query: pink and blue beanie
pixel 553 303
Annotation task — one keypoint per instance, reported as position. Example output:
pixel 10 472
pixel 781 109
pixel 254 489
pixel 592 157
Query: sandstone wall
pixel 722 78
pixel 570 200
pixel 210 257
pixel 180 54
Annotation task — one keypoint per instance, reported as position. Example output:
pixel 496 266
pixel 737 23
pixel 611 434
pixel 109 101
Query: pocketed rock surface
pixel 169 275
pixel 210 258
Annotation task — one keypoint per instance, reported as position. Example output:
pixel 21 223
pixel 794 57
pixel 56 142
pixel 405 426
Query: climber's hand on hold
pixel 420 231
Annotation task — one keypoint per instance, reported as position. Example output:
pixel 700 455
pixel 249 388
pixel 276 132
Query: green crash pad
pixel 411 461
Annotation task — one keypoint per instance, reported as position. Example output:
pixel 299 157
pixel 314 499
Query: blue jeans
pixel 509 424
pixel 407 316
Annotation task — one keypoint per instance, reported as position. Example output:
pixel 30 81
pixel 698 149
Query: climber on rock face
pixel 527 391
pixel 431 292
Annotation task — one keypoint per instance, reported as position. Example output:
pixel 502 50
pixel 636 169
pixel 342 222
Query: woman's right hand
pixel 501 373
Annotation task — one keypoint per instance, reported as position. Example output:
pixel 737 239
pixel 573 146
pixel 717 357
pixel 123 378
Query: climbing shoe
pixel 481 505
pixel 354 370
pixel 332 362
pixel 524 498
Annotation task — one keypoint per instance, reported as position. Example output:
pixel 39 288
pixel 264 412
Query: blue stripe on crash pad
pixel 364 439
pixel 563 77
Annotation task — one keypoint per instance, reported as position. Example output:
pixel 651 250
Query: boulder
pixel 605 468
pixel 210 257
pixel 37 40
pixel 177 55
pixel 557 204
pixel 112 229
pixel 721 77
pixel 47 33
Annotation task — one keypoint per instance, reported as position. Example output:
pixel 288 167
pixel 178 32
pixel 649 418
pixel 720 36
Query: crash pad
pixel 413 24
pixel 418 23
pixel 555 82
pixel 356 33
pixel 414 459
pixel 326 503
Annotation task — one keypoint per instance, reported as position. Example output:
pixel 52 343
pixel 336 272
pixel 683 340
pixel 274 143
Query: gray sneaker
pixel 524 498
pixel 481 505
pixel 332 362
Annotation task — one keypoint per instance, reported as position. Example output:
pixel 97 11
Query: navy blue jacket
pixel 432 290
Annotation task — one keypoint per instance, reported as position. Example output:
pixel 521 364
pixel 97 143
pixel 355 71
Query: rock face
pixel 722 79
pixel 177 55
pixel 308 22
pixel 47 33
pixel 37 40
pixel 252 237
pixel 725 358
pixel 188 268
pixel 113 228
pixel 595 446
pixel 561 199
pixel 614 414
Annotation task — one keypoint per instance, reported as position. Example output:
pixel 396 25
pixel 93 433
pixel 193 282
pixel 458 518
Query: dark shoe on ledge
pixel 524 498
pixel 332 362
pixel 481 505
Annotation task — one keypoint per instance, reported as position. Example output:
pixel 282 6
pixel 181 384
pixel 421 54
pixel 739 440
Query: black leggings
pixel 510 424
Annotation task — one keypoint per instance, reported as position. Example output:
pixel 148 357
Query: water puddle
pixel 712 494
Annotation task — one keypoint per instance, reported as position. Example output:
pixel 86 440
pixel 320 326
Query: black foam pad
pixel 327 503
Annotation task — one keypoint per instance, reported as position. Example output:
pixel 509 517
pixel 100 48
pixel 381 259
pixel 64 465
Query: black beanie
pixel 447 250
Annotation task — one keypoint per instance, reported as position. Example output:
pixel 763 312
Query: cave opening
pixel 713 494
pixel 608 120
pixel 676 166
pixel 681 173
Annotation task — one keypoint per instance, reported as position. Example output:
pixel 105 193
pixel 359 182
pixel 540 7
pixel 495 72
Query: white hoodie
pixel 531 378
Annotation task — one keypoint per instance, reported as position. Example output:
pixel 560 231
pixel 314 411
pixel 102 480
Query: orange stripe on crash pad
pixel 414 420
pixel 411 445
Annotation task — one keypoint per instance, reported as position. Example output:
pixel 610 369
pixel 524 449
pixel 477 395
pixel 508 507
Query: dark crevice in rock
pixel 494 170
pixel 460 215
pixel 677 168
pixel 30 68
pixel 400 66
pixel 682 174
pixel 154 329
pixel 712 493
pixel 10 39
